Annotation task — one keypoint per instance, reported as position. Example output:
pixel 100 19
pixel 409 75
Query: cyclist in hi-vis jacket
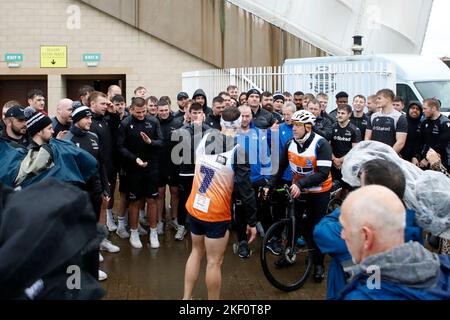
pixel 309 157
pixel 219 163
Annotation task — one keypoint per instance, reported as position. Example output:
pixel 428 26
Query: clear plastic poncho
pixel 427 192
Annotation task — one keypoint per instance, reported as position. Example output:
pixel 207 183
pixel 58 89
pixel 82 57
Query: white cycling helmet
pixel 304 117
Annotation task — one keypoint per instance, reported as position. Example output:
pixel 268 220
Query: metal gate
pixel 354 77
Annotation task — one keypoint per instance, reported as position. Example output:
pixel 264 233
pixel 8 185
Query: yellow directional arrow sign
pixel 53 57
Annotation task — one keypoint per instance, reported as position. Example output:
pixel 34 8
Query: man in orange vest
pixel 220 162
pixel 309 157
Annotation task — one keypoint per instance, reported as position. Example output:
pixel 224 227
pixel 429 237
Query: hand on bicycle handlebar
pixel 265 193
pixel 251 231
pixel 295 191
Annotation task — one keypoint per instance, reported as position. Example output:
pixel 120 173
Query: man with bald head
pixel 327 233
pixel 113 90
pixel 373 225
pixel 63 120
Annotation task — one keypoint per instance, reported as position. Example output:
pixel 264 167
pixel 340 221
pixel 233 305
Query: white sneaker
pixel 135 241
pixel 100 257
pixel 122 233
pixel 142 231
pixel 154 242
pixel 102 275
pixel 181 232
pixel 111 224
pixel 160 227
pixel 174 223
pixel 106 245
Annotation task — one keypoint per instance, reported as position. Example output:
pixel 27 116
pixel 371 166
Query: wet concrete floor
pixel 158 274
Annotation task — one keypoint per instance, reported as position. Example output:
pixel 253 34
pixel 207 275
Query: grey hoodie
pixel 409 264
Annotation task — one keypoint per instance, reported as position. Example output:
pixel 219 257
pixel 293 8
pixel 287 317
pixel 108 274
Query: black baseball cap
pixel 15 112
pixel 182 95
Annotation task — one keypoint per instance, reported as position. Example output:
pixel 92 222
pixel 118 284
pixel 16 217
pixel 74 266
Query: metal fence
pixel 354 77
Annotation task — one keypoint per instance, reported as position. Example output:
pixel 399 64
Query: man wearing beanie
pixel 278 103
pixel 39 128
pixel 262 119
pixel 80 135
pixel 98 187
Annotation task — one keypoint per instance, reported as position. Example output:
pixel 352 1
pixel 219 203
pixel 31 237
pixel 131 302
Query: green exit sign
pixel 91 57
pixel 13 57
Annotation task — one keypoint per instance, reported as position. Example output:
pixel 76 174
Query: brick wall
pixel 146 60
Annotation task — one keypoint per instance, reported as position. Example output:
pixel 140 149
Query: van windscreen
pixel 436 89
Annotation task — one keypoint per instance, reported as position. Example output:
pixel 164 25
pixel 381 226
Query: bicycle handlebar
pixel 287 190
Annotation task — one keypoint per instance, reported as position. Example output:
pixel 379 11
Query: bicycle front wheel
pixel 285 266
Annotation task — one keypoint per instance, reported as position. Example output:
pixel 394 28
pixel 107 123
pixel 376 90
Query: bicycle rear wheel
pixel 289 270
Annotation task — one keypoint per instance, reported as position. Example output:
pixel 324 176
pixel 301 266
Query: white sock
pixel 153 230
pixel 122 221
pixel 110 214
pixel 134 231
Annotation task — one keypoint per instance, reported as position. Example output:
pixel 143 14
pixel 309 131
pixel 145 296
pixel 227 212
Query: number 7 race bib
pixel 201 203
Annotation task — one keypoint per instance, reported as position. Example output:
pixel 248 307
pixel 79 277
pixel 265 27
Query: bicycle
pixel 278 268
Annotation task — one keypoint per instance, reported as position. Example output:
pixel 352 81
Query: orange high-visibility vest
pixel 306 163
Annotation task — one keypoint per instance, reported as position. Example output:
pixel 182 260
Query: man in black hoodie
pixel 105 121
pixel 435 133
pixel 414 114
pixel 262 119
pixel 168 172
pixel 213 120
pixel 97 186
pixel 185 141
pixel 323 126
pixel 200 97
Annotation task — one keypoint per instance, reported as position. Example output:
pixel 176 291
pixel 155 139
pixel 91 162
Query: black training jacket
pixel 131 145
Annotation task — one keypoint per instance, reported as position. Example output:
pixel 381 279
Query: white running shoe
pixel 142 231
pixel 122 233
pixel 106 245
pixel 102 275
pixel 160 227
pixel 135 241
pixel 111 224
pixel 100 257
pixel 181 232
pixel 154 242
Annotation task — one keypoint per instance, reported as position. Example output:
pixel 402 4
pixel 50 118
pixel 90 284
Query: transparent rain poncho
pixel 427 192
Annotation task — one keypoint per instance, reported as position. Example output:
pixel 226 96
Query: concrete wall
pixel 145 60
pixel 216 31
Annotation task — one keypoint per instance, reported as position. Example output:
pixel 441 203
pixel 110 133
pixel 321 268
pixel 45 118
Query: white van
pixel 412 77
